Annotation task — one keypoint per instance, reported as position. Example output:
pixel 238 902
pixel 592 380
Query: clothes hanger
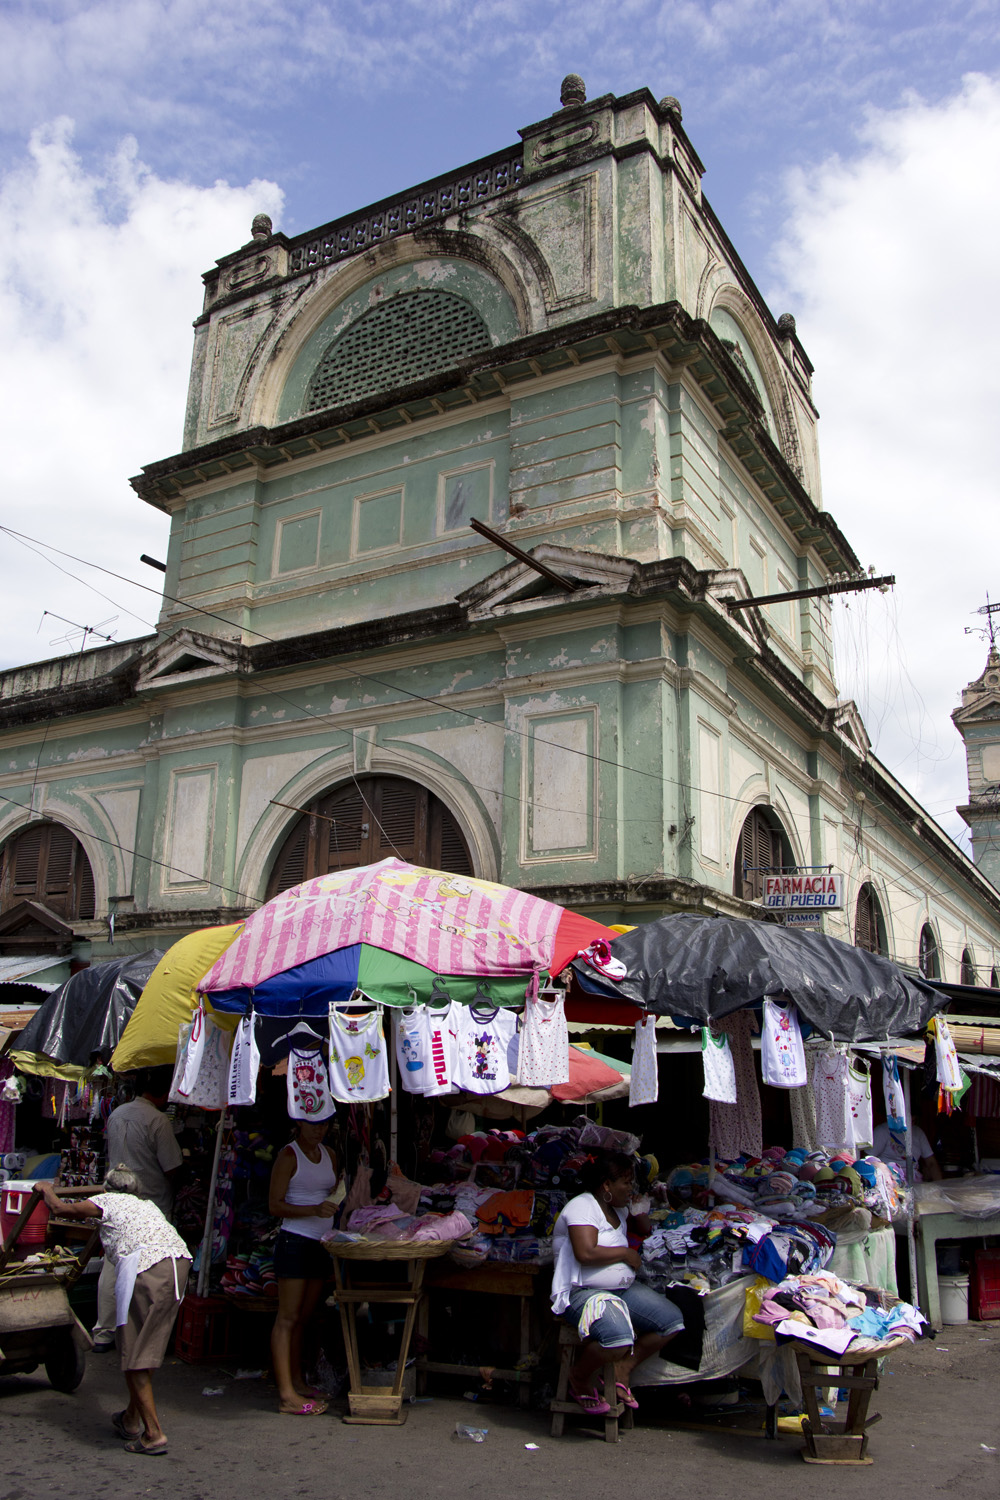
pixel 300 1029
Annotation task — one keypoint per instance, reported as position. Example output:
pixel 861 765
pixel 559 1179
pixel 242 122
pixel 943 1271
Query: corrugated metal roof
pixel 19 966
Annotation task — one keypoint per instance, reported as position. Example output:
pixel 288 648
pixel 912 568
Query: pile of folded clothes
pixel 818 1308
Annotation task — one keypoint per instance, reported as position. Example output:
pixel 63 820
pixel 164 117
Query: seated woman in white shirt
pixel 592 1255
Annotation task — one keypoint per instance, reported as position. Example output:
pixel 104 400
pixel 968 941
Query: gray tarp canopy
pixel 706 967
pixel 89 1012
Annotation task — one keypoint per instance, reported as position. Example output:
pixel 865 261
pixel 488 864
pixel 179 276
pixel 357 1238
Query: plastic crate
pixel 202 1331
pixel 984 1286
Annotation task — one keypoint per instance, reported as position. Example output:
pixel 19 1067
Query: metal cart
pixel 37 1324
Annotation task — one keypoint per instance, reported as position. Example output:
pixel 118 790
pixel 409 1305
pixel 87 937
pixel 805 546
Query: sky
pixel 852 151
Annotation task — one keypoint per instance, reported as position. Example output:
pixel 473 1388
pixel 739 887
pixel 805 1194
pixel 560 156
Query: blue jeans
pixel 650 1313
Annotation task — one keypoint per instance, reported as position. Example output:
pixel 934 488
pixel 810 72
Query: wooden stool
pixel 563 1404
pixel 828 1441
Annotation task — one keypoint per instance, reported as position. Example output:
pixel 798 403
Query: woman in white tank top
pixel 303 1182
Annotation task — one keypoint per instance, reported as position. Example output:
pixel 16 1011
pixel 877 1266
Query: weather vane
pixel 990 629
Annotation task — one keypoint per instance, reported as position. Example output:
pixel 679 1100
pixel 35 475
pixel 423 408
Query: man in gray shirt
pixel 141 1138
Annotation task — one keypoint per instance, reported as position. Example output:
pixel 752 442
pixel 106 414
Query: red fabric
pixel 573 933
pixel 586 1074
pixel 592 1011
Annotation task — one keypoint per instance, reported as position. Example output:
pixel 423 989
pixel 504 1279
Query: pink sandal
pixel 590 1402
pixel 627 1397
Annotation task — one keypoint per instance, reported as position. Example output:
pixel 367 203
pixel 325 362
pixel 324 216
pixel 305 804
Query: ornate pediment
pixel 847 719
pixel 981 699
pixel 519 588
pixel 31 927
pixel 187 656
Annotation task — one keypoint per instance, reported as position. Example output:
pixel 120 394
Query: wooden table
pixel 930 1228
pixel 491 1279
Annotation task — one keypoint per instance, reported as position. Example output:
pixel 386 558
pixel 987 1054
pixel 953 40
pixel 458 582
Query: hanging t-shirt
pixel 543 1051
pixel 412 1057
pixel 440 1028
pixel 717 1062
pixel 859 1091
pixel 828 1077
pixel 359 1064
pixel 782 1055
pixel 949 1074
pixel 483 1040
pixel 308 1091
pixel 644 1084
pixel 895 1099
pixel 244 1064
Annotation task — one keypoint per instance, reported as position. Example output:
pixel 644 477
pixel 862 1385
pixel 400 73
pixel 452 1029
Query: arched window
pixel 869 923
pixel 367 820
pixel 47 864
pixel 763 849
pixel 968 973
pixel 927 956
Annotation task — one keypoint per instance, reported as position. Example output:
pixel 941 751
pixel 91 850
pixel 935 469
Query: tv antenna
pixel 990 629
pixel 83 631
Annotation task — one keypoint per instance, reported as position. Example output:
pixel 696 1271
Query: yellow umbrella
pixel 169 999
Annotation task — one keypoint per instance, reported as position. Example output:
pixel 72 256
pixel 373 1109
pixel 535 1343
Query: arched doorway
pixel 366 820
pixel 968 971
pixel 869 923
pixel 48 864
pixel 927 953
pixel 763 849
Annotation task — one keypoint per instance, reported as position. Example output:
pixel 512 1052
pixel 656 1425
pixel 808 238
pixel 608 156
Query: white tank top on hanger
pixel 719 1068
pixel 782 1055
pixel 543 1053
pixel 359 1065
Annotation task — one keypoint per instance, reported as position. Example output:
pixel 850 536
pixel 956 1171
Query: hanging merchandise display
pixel 895 1099
pixel 717 1062
pixel 309 1095
pixel 201 1073
pixel 644 1084
pixel 543 1052
pixel 359 1065
pixel 441 1026
pixel 859 1089
pixel 949 1075
pixel 802 1106
pixel 735 1129
pixel 484 1039
pixel 412 1056
pixel 829 1083
pixel 244 1063
pixel 783 1058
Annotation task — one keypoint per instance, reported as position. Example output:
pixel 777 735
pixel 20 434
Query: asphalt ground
pixel 939 1434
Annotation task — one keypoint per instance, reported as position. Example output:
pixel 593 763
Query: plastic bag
pixel 201 1073
pixel 755 1296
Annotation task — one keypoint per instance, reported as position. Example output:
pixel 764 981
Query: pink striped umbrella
pixel 452 924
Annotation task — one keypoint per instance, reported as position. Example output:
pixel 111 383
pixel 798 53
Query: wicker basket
pixel 389 1249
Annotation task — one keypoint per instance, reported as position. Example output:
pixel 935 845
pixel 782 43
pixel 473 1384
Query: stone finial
pixel 672 106
pixel 786 325
pixel 261 227
pixel 573 90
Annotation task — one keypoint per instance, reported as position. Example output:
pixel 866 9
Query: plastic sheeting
pixel 86 1015
pixel 706 967
pixel 968 1197
pixel 724 1347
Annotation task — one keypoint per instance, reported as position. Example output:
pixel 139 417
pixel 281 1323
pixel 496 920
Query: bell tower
pixel 978 722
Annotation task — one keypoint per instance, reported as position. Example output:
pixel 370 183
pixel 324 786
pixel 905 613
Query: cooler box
pixel 13 1197
pixel 984 1286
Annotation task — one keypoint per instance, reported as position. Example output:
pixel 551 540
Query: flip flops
pixel 152 1450
pixel 590 1402
pixel 627 1397
pixel 118 1423
pixel 307 1409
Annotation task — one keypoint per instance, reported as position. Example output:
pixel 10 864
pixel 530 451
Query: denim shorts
pixel 298 1257
pixel 650 1313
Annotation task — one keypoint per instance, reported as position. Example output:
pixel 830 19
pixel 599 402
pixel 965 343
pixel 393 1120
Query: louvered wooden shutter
pixel 968 968
pixel 756 852
pixel 928 956
pixel 46 863
pixel 865 926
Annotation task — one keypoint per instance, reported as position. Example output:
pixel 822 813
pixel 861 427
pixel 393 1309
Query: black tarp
pixel 706 967
pixel 90 1011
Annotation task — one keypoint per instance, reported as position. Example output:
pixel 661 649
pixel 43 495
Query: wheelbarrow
pixel 37 1324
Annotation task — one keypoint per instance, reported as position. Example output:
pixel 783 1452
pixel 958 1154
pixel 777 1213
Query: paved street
pixel 939 1406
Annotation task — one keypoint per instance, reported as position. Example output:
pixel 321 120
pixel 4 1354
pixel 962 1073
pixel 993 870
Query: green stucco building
pixel 558 341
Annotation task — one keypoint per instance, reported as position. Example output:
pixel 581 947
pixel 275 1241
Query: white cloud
pixel 100 278
pixel 889 261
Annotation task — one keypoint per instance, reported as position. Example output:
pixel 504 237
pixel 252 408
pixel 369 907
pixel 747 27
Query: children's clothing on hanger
pixel 735 1129
pixel 892 1089
pixel 949 1075
pixel 782 1055
pixel 828 1075
pixel 441 1027
pixel 644 1082
pixel 309 1095
pixel 483 1041
pixel 859 1090
pixel 359 1063
pixel 244 1064
pixel 412 1055
pixel 543 1051
pixel 717 1062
